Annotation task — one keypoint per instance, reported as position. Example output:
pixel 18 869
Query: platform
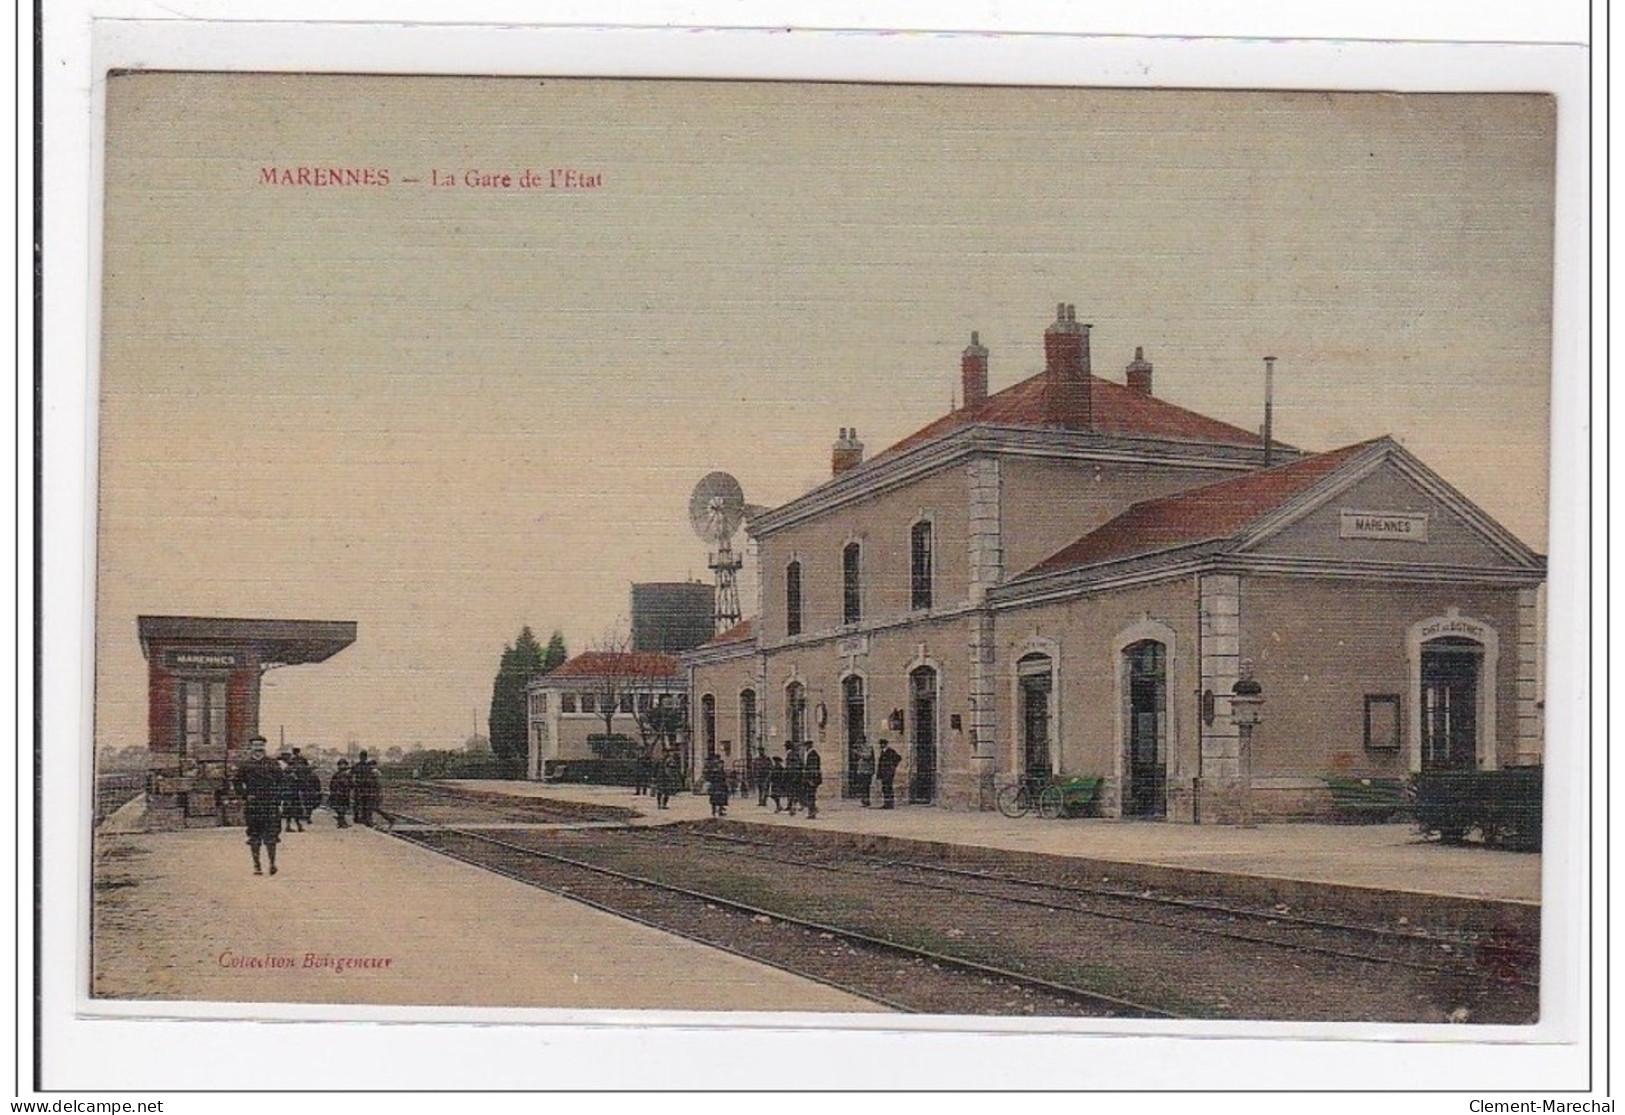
pixel 357 916
pixel 1393 858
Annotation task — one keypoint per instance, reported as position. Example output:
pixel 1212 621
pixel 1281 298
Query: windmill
pixel 716 510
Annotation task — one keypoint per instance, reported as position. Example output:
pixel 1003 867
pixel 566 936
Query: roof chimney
pixel 1269 411
pixel 973 373
pixel 1139 372
pixel 1066 363
pixel 847 452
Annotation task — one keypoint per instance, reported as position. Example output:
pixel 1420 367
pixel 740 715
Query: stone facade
pixel 1096 599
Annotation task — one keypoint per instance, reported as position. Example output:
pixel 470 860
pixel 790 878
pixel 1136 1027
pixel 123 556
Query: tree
pixel 555 654
pixel 614 681
pixel 523 660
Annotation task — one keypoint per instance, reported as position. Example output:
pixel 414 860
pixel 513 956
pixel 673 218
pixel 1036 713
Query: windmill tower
pixel 716 510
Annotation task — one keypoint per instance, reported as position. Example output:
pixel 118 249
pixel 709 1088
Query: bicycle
pixel 1021 798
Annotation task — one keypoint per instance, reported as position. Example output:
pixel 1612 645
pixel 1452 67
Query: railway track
pixel 897 975
pixel 945 938
pixel 1457 954
pixel 433 803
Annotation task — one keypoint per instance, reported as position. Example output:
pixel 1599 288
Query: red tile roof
pixel 1117 409
pixel 740 632
pixel 620 664
pixel 1213 512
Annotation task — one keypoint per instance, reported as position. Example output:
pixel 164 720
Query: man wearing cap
pixel 259 782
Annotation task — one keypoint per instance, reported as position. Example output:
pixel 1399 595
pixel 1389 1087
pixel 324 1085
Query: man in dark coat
pixel 369 790
pixel 715 776
pixel 307 782
pixel 668 777
pixel 775 785
pixel 792 776
pixel 338 792
pixel 293 806
pixel 812 776
pixel 863 772
pixel 886 768
pixel 762 771
pixel 259 784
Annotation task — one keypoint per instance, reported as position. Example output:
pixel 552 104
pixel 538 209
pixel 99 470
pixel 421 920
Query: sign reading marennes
pixel 202 659
pixel 1388 526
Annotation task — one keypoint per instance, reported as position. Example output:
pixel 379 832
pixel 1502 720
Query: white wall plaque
pixel 1388 526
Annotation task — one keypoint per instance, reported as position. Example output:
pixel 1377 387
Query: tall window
pixel 920 566
pixel 852 583
pixel 203 716
pixel 747 719
pixel 792 598
pixel 795 712
pixel 708 722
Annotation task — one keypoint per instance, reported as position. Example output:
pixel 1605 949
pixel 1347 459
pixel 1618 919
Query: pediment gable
pixel 1387 510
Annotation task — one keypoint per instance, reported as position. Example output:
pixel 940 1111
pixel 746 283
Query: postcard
pixel 859 556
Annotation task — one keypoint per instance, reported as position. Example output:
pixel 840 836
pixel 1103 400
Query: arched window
pixel 708 722
pixel 795 712
pixel 792 598
pixel 851 583
pixel 747 719
pixel 919 548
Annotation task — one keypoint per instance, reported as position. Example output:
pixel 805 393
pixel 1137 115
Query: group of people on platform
pixel 661 775
pixel 281 795
pixel 792 782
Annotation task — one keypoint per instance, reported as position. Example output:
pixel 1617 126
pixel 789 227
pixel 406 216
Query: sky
pixel 448 412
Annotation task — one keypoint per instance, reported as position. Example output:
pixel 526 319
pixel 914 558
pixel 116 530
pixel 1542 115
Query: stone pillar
pixel 983 708
pixel 1220 789
pixel 986 571
pixel 986 538
pixel 1530 737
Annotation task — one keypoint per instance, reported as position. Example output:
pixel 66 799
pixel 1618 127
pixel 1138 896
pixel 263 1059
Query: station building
pixel 1072 575
pixel 566 709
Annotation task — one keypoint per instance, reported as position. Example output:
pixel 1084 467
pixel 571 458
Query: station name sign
pixel 1386 526
pixel 202 659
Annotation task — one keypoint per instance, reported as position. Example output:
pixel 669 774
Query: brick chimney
pixel 1066 364
pixel 847 453
pixel 1139 372
pixel 973 373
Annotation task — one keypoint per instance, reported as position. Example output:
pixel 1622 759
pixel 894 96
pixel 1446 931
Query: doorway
pixel 852 694
pixel 1037 681
pixel 1449 703
pixel 922 686
pixel 1145 793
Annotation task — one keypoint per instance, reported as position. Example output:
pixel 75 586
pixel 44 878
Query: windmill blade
pixel 716 508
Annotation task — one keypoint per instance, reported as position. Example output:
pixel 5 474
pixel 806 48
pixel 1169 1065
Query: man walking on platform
pixel 259 783
pixel 886 767
pixel 812 776
pixel 792 775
